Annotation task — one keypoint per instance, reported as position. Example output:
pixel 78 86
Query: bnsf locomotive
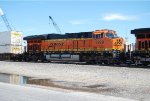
pixel 96 46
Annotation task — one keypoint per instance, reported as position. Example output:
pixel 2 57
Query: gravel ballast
pixel 133 83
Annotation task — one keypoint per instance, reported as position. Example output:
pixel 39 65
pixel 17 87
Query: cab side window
pixel 102 35
pixel 97 36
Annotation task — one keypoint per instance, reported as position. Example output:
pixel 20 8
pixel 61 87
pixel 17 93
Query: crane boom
pixel 55 25
pixel 6 23
pixel 5 20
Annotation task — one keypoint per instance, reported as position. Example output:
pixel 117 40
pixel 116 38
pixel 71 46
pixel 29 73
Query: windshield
pixel 110 35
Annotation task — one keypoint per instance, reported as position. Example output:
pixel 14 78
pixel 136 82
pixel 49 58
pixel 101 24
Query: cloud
pixel 115 16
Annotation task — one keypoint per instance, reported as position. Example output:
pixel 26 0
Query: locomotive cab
pixel 107 40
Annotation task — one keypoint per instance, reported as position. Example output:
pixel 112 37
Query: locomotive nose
pixel 118 44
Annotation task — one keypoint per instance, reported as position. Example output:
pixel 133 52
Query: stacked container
pixel 11 42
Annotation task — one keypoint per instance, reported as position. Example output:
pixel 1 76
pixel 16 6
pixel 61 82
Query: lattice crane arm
pixel 55 25
pixel 5 20
pixel 6 23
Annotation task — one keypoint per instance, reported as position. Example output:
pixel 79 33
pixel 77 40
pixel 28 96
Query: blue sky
pixel 31 17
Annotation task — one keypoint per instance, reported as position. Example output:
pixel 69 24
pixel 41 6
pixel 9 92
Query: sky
pixel 32 17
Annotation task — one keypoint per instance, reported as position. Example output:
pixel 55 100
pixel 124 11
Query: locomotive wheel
pixel 42 59
pixel 34 58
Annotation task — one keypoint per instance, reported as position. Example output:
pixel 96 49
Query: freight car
pixel 95 47
pixel 142 53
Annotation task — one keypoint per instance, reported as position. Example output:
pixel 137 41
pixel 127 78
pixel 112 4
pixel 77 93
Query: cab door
pixel 98 42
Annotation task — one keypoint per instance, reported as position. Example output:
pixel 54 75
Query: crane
pixel 5 20
pixel 55 25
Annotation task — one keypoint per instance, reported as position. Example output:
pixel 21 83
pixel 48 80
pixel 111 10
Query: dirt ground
pixel 133 83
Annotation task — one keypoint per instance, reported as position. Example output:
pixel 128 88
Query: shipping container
pixel 11 42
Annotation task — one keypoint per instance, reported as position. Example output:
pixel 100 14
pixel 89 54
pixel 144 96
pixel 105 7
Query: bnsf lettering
pixel 56 44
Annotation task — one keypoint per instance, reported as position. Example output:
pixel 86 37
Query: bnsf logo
pixel 56 44
pixel 118 42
